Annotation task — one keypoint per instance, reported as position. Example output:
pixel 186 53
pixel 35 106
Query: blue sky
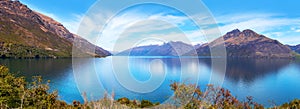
pixel 276 19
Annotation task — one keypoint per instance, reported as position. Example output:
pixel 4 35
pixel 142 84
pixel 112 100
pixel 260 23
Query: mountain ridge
pixel 171 48
pixel 238 44
pixel 295 48
pixel 248 43
pixel 27 33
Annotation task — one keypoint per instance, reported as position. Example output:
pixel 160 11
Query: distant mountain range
pixel 295 48
pixel 26 33
pixel 167 49
pixel 29 34
pixel 247 44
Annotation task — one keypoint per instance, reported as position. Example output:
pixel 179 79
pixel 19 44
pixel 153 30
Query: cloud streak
pixel 275 26
pixel 272 25
pixel 258 21
pixel 133 24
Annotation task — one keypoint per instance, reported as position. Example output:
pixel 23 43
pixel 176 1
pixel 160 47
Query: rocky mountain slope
pixel 26 33
pixel 248 43
pixel 167 49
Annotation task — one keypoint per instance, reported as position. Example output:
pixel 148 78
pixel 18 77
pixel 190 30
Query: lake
pixel 273 81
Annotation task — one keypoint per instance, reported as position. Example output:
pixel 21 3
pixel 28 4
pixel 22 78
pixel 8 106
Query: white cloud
pixel 271 25
pixel 130 25
pixel 296 29
pixel 72 24
pixel 259 22
pixel 291 39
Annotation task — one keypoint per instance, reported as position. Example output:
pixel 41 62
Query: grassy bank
pixel 15 92
pixel 297 56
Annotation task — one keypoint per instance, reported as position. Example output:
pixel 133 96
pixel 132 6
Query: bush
pixel 191 97
pixel 146 103
pixel 124 101
pixel 136 104
pixel 295 104
pixel 15 92
pixel 12 89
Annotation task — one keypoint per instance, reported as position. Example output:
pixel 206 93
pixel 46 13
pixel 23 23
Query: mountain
pixel 248 44
pixel 295 48
pixel 138 51
pixel 26 33
pixel 167 49
pixel 197 45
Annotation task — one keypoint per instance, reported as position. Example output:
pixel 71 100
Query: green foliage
pixel 11 50
pixel 11 89
pixel 295 104
pixel 123 100
pixel 191 97
pixel 297 56
pixel 146 103
pixel 136 104
pixel 15 92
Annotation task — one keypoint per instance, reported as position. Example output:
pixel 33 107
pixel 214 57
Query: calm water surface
pixel 268 81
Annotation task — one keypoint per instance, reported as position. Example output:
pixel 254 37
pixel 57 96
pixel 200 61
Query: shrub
pixel 12 89
pixel 15 92
pixel 123 101
pixel 146 103
pixel 295 104
pixel 191 97
pixel 135 103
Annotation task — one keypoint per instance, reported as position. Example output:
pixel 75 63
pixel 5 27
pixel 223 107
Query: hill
pixel 167 49
pixel 25 33
pixel 248 43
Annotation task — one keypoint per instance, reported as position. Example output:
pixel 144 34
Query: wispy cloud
pixel 295 29
pixel 272 25
pixel 127 27
pixel 130 27
pixel 260 22
pixel 71 24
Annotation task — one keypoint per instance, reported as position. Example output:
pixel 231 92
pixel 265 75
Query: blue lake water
pixel 268 81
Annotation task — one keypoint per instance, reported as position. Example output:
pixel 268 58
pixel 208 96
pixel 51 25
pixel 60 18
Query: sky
pixel 154 24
